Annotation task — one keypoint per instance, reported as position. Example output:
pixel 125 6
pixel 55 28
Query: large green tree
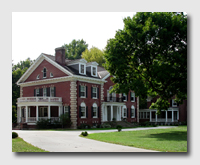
pixel 94 54
pixel 75 48
pixel 149 56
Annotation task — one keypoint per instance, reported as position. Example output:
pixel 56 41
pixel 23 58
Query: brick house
pixel 54 85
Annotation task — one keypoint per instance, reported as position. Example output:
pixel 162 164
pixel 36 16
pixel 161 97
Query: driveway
pixel 69 141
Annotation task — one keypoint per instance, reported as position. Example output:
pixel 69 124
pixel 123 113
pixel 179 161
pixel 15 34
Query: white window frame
pixel 133 96
pixel 83 108
pixel 51 92
pixel 37 92
pixel 133 109
pixel 82 86
pixel 124 111
pixel 66 110
pixel 173 102
pixel 44 92
pixel 94 92
pixel 45 72
pixel 124 95
pixel 38 76
pixel 84 66
pixel 51 74
pixel 94 67
pixel 95 108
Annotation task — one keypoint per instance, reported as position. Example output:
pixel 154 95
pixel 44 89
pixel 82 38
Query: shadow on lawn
pixel 173 135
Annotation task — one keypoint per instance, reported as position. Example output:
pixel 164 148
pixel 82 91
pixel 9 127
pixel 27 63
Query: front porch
pixel 33 109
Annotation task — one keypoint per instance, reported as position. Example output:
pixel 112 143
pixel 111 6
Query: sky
pixel 34 33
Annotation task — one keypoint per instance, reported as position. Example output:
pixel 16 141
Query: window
pixel 132 97
pixel 66 110
pixel 132 111
pixel 37 92
pixel 124 97
pixel 52 92
pixel 44 73
pixel 94 92
pixel 174 104
pixel 83 91
pixel 38 76
pixel 82 69
pixel 124 111
pixel 44 92
pixel 94 71
pixel 83 110
pixel 51 74
pixel 94 110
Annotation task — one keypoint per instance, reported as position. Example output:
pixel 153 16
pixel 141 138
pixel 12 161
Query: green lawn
pixel 19 145
pixel 165 140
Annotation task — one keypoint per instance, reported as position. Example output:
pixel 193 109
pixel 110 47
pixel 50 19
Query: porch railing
pixel 34 119
pixel 39 99
pixel 113 99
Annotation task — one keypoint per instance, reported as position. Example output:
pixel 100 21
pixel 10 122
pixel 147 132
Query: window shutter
pixel 86 91
pixel 48 91
pixel 127 113
pixel 86 111
pixel 54 91
pixel 34 92
pixel 41 92
pixel 79 111
pixel 91 92
pixel 79 91
pixel 97 92
pixel 69 111
pixel 98 113
pixel 92 114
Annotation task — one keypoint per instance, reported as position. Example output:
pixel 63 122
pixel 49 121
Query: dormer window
pixel 94 71
pixel 44 73
pixel 82 69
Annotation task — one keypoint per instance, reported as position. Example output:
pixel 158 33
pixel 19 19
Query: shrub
pixel 43 124
pixel 106 125
pixel 84 133
pixel 65 120
pixel 119 128
pixel 14 135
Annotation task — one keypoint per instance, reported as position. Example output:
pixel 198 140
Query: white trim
pixel 94 105
pixel 132 108
pixel 84 68
pixel 83 105
pixel 106 76
pixel 94 63
pixel 92 71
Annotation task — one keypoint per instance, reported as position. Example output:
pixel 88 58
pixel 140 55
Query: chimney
pixel 60 55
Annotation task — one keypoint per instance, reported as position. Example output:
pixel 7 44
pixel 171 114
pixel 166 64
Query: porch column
pixel 177 115
pixel 49 112
pixel 26 114
pixel 59 109
pixel 156 116
pixel 119 108
pixel 106 117
pixel 20 114
pixel 111 110
pixel 172 116
pixel 36 113
pixel 166 116
pixel 150 116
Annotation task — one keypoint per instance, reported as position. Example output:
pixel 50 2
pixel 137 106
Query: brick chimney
pixel 60 55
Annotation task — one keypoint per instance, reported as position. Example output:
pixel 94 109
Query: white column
pixel 150 116
pixel 111 110
pixel 166 116
pixel 172 116
pixel 120 112
pixel 103 113
pixel 177 115
pixel 37 113
pixel 49 112
pixel 20 114
pixel 156 116
pixel 26 114
pixel 59 109
pixel 106 117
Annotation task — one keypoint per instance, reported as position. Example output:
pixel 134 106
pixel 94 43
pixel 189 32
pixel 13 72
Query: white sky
pixel 34 33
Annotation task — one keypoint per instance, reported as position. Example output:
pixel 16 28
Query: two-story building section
pixel 54 85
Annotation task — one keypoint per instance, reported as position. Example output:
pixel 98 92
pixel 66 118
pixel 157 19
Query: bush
pixel 43 124
pixel 119 128
pixel 65 120
pixel 14 135
pixel 84 133
pixel 106 125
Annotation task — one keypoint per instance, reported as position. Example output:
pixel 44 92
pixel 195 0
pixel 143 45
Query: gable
pixel 49 69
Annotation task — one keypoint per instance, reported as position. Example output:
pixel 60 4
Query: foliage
pixel 14 135
pixel 119 128
pixel 14 114
pixel 84 133
pixel 149 56
pixel 94 54
pixel 75 49
pixel 43 124
pixel 105 125
pixel 84 126
pixel 65 120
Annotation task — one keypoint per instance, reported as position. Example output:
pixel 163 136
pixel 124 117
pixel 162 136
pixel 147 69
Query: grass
pixel 165 140
pixel 19 145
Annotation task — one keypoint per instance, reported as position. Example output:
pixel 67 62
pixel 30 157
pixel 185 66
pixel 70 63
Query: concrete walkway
pixel 69 141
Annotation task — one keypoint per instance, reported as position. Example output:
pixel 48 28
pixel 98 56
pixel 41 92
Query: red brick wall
pixel 89 102
pixel 62 90
pixel 50 68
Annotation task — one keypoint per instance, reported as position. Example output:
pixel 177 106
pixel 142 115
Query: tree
pixel 149 56
pixel 75 49
pixel 94 54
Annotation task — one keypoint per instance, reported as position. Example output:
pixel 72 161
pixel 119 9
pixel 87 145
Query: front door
pixel 43 112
